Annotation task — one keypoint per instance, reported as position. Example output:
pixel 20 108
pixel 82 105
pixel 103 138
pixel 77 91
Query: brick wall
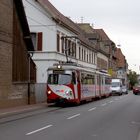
pixel 12 93
pixel 5 48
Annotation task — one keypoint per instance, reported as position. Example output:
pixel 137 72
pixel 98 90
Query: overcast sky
pixel 120 19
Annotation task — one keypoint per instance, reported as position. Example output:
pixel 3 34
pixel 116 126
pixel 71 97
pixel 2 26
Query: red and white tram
pixel 72 83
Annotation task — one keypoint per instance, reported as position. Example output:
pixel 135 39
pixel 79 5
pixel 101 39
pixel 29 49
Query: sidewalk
pixel 21 109
pixel 14 113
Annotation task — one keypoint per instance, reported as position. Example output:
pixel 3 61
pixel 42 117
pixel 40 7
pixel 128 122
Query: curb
pixel 19 111
pixel 25 112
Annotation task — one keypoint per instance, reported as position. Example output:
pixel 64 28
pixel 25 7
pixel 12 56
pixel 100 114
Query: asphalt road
pixel 113 118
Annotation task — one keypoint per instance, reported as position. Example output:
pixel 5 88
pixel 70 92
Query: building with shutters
pixel 58 39
pixel 53 36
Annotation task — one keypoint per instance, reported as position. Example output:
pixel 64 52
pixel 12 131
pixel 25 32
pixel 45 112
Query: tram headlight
pixel 68 92
pixel 59 66
pixel 49 92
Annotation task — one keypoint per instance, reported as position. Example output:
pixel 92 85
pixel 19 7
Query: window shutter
pixel 39 42
pixel 58 43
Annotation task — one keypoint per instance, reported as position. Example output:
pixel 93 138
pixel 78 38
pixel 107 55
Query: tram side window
pixel 107 81
pixel 98 80
pixel 87 79
pixel 103 81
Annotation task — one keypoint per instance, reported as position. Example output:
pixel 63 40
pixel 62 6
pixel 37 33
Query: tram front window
pixel 60 79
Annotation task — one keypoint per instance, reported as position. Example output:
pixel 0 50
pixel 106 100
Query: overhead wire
pixel 40 24
pixel 37 8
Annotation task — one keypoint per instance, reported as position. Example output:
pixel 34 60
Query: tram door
pixel 102 85
pixel 77 86
pixel 98 86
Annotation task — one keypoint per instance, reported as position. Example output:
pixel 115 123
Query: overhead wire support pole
pixel 67 47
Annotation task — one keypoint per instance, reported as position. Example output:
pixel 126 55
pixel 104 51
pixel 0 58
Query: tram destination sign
pixel 58 71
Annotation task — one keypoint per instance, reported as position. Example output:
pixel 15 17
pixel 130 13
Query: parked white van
pixel 116 86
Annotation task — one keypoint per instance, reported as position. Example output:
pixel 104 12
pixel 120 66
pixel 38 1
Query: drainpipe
pixel 30 55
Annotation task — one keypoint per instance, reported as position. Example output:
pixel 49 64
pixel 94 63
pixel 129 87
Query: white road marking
pixel 116 99
pixel 136 123
pixel 104 104
pixel 73 116
pixel 110 102
pixel 40 129
pixel 92 109
pixel 94 135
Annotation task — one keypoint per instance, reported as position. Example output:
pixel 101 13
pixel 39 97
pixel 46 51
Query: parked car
pixel 136 90
pixel 124 89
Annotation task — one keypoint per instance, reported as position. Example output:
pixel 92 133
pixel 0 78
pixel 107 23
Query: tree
pixel 133 78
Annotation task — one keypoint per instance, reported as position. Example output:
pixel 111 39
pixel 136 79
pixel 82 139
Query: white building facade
pixel 52 39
